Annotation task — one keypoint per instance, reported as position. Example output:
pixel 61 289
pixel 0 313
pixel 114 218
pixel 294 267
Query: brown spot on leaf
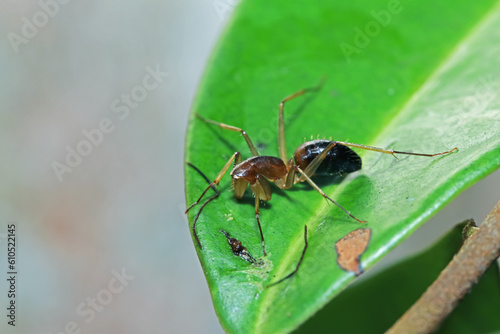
pixel 350 248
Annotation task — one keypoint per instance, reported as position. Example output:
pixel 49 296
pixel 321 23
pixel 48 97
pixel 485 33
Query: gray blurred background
pixel 102 241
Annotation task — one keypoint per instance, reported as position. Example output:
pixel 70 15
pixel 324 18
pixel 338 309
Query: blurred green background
pixel 120 208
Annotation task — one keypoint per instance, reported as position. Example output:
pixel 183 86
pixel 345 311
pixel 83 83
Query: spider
pixel 315 157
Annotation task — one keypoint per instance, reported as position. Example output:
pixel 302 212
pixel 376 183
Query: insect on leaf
pixel 419 76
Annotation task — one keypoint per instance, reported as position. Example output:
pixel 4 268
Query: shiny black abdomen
pixel 341 160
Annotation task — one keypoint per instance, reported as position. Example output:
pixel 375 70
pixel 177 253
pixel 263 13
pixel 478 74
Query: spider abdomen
pixel 341 160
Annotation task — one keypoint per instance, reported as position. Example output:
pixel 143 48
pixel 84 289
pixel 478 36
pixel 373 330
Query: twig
pixel 455 281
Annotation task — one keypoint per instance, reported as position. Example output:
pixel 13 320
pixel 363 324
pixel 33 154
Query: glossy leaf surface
pixel 374 305
pixel 425 80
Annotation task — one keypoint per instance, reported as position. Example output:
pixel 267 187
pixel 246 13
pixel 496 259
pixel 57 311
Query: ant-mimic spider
pixel 315 157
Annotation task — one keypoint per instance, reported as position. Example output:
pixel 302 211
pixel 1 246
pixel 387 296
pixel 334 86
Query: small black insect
pixel 238 248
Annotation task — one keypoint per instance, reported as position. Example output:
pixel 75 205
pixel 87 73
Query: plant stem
pixel 455 281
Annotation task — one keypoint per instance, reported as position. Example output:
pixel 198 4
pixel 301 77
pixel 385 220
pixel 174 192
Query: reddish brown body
pixel 271 168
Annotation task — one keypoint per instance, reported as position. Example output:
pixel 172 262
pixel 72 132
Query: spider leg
pixel 322 193
pixel 281 120
pixel 232 128
pixel 392 152
pixel 236 156
pixel 298 264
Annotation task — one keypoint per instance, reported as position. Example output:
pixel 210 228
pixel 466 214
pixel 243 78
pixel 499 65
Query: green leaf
pixel 425 81
pixel 384 297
